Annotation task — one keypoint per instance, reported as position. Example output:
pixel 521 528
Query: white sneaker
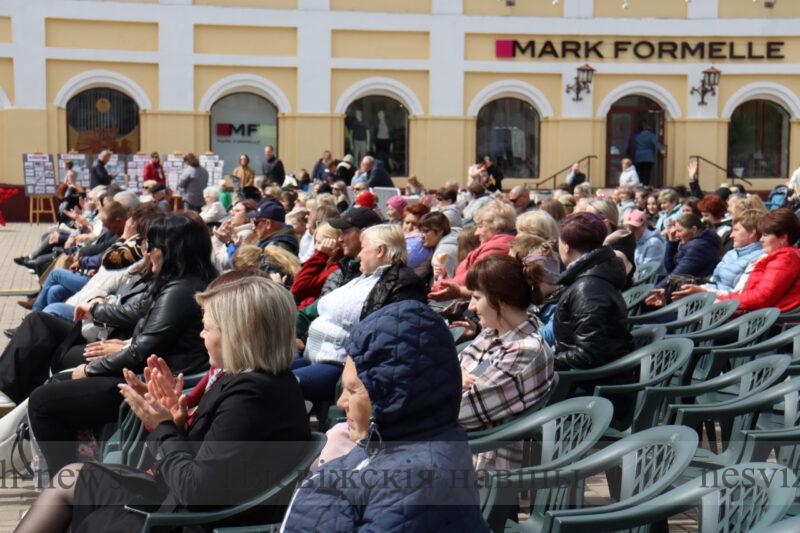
pixel 6 402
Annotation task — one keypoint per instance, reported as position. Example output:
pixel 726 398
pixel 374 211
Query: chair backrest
pixel 650 461
pixel 707 319
pixel 636 295
pixel 664 358
pixel 694 303
pixel 646 273
pixel 644 335
pixel 756 323
pixel 756 495
pixel 736 499
pixel 787 525
pixel 566 430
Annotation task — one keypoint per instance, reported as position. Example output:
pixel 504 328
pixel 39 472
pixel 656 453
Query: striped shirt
pixel 519 375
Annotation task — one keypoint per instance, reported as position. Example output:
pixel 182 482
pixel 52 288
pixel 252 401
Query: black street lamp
pixel 583 82
pixel 708 85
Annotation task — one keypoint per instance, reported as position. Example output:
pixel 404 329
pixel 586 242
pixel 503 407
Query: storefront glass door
pixel 626 118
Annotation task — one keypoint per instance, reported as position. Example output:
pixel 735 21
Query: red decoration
pixel 5 194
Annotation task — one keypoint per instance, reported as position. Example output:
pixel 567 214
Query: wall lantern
pixel 708 85
pixel 583 82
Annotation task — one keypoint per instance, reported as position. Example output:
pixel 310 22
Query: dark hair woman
pixel 692 249
pixel 179 251
pixel 248 399
pixel 508 368
pixel 775 279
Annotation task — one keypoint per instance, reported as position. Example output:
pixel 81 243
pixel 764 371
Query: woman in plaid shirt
pixel 508 368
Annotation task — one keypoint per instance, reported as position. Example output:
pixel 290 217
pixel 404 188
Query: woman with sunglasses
pixel 179 251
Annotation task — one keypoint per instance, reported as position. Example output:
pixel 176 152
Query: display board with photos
pixel 80 165
pixel 136 164
pixel 173 168
pixel 215 166
pixel 39 173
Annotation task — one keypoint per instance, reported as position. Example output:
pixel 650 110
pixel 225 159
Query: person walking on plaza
pixel 243 176
pixel 272 168
pixel 100 175
pixel 645 148
pixel 194 180
pixel 153 171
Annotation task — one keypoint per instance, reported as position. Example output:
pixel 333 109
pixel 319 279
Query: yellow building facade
pixel 451 80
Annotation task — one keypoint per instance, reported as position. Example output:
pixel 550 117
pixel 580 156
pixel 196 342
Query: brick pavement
pixel 18 239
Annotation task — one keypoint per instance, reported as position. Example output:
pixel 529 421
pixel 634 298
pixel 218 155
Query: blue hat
pixel 269 209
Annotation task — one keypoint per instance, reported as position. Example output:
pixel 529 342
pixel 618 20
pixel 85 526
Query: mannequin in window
pixel 383 142
pixel 359 136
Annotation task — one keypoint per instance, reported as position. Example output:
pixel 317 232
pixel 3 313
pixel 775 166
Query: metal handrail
pixel 587 158
pixel 728 172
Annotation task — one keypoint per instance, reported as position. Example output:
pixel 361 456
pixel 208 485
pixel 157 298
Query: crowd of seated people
pixel 276 296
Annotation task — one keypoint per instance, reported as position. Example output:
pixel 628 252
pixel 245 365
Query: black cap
pixel 357 217
pixel 158 187
pixel 269 209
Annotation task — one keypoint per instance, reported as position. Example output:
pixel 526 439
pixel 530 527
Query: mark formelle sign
pixel 642 50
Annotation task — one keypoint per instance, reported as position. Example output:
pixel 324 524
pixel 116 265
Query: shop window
pixel 758 140
pixel 378 126
pixel 103 119
pixel 508 132
pixel 243 123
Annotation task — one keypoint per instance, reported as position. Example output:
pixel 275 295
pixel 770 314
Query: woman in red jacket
pixel 775 279
pixel 307 285
pixel 495 223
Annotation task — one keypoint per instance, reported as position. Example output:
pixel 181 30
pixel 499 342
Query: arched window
pixel 758 140
pixel 508 132
pixel 378 126
pixel 103 119
pixel 243 123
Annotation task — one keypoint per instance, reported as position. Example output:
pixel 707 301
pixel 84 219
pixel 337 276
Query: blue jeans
pixel 61 310
pixel 318 380
pixel 59 285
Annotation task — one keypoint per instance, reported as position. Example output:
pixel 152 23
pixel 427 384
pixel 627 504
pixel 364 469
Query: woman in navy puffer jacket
pixel 691 249
pixel 411 469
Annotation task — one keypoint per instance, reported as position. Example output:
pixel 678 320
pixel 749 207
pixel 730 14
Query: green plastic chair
pixel 635 296
pixel 752 496
pixel 644 335
pixel 743 331
pixel 677 310
pixel 704 320
pixel 551 438
pixel 787 525
pixel 656 363
pixel 646 273
pixel 268 528
pixel 787 342
pixel 278 494
pixel 566 430
pixel 661 404
pixel 645 465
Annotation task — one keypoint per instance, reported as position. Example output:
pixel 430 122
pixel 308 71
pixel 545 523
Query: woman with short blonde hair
pixel 538 223
pixel 497 216
pixel 263 337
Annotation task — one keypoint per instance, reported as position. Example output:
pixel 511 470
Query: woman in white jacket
pixel 628 177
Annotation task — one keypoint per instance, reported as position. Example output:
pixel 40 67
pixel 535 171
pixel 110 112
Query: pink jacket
pixel 496 245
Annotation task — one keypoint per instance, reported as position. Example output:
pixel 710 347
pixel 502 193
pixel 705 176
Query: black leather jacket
pixel 170 328
pixel 133 301
pixel 395 284
pixel 591 323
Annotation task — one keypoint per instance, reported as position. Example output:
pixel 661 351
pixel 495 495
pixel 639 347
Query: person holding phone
pixel 508 368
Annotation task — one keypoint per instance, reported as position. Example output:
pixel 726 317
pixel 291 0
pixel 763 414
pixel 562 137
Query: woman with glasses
pixel 178 249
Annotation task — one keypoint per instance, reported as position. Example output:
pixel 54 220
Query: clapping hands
pixel 159 398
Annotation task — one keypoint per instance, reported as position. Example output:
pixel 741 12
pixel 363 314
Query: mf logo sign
pixel 229 130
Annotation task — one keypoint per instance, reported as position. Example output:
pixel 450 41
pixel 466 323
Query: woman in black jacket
pixel 179 250
pixel 45 343
pixel 591 322
pixel 241 439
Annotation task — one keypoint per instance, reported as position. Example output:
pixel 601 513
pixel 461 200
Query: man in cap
pixel 270 229
pixel 351 224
